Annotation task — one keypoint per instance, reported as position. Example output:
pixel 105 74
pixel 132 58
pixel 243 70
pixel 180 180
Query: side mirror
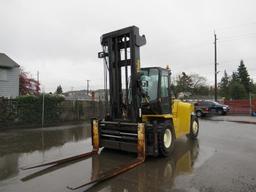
pixel 102 54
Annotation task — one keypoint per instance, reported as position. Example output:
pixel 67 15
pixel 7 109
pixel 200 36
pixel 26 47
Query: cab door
pixel 165 93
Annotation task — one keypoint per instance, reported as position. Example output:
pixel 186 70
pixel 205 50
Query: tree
pixel 253 87
pixel 235 77
pixel 224 85
pixel 237 90
pixel 193 84
pixel 28 86
pixel 184 83
pixel 244 77
pixel 201 91
pixel 59 90
pixel 23 83
pixel 198 86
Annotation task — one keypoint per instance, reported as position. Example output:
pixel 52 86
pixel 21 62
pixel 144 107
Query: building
pixel 78 95
pixel 9 77
pixel 100 94
pixel 97 95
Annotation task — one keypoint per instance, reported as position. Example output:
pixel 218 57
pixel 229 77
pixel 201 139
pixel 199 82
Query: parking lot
pixel 223 159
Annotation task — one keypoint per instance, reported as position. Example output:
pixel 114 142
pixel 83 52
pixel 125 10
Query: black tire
pixel 193 131
pixel 199 113
pixel 220 112
pixel 166 147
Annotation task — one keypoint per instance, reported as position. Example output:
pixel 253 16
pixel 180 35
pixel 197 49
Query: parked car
pixel 205 107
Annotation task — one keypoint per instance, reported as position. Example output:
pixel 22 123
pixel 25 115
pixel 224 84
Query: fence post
pixel 43 111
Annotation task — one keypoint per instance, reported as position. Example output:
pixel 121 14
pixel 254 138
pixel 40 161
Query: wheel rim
pixel 198 113
pixel 167 138
pixel 195 127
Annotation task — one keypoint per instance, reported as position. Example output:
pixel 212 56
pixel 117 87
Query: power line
pixel 235 26
pixel 235 39
pixel 238 59
pixel 240 35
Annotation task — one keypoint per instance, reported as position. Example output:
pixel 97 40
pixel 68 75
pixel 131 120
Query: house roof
pixel 7 62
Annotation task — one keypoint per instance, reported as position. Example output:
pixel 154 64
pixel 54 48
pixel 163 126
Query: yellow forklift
pixel 140 114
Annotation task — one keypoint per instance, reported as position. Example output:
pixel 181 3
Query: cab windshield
pixel 149 79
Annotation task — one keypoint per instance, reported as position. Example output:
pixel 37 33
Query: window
pixel 164 86
pixel 150 79
pixel 3 75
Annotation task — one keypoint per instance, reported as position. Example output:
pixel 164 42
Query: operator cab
pixel 155 88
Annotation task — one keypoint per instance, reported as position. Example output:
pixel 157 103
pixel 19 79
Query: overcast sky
pixel 61 39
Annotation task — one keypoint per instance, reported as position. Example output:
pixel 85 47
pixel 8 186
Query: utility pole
pixel 42 120
pixel 88 81
pixel 38 84
pixel 215 68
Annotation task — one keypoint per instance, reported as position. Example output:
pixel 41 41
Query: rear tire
pixel 194 128
pixel 166 140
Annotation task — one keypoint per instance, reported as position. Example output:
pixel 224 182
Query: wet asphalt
pixel 222 159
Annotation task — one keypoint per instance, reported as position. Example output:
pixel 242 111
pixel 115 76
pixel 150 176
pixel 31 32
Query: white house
pixel 9 77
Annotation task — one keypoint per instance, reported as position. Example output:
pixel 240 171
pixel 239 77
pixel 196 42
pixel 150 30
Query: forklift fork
pixel 141 154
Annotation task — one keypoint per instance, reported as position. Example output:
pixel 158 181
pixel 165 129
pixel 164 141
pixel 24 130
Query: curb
pixel 234 121
pixel 245 122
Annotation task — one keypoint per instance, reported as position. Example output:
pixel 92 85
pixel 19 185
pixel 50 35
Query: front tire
pixel 166 140
pixel 220 112
pixel 194 128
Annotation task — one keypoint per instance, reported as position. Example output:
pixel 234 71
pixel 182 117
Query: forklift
pixel 140 114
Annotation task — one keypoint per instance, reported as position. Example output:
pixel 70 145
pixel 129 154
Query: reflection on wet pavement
pixel 159 171
pixel 28 147
pixel 155 174
pixel 18 147
pixel 222 160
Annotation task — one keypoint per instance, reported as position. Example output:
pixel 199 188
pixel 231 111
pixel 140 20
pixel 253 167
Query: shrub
pixel 30 108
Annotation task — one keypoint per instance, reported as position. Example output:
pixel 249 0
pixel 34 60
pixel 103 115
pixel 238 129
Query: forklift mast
pixel 121 54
